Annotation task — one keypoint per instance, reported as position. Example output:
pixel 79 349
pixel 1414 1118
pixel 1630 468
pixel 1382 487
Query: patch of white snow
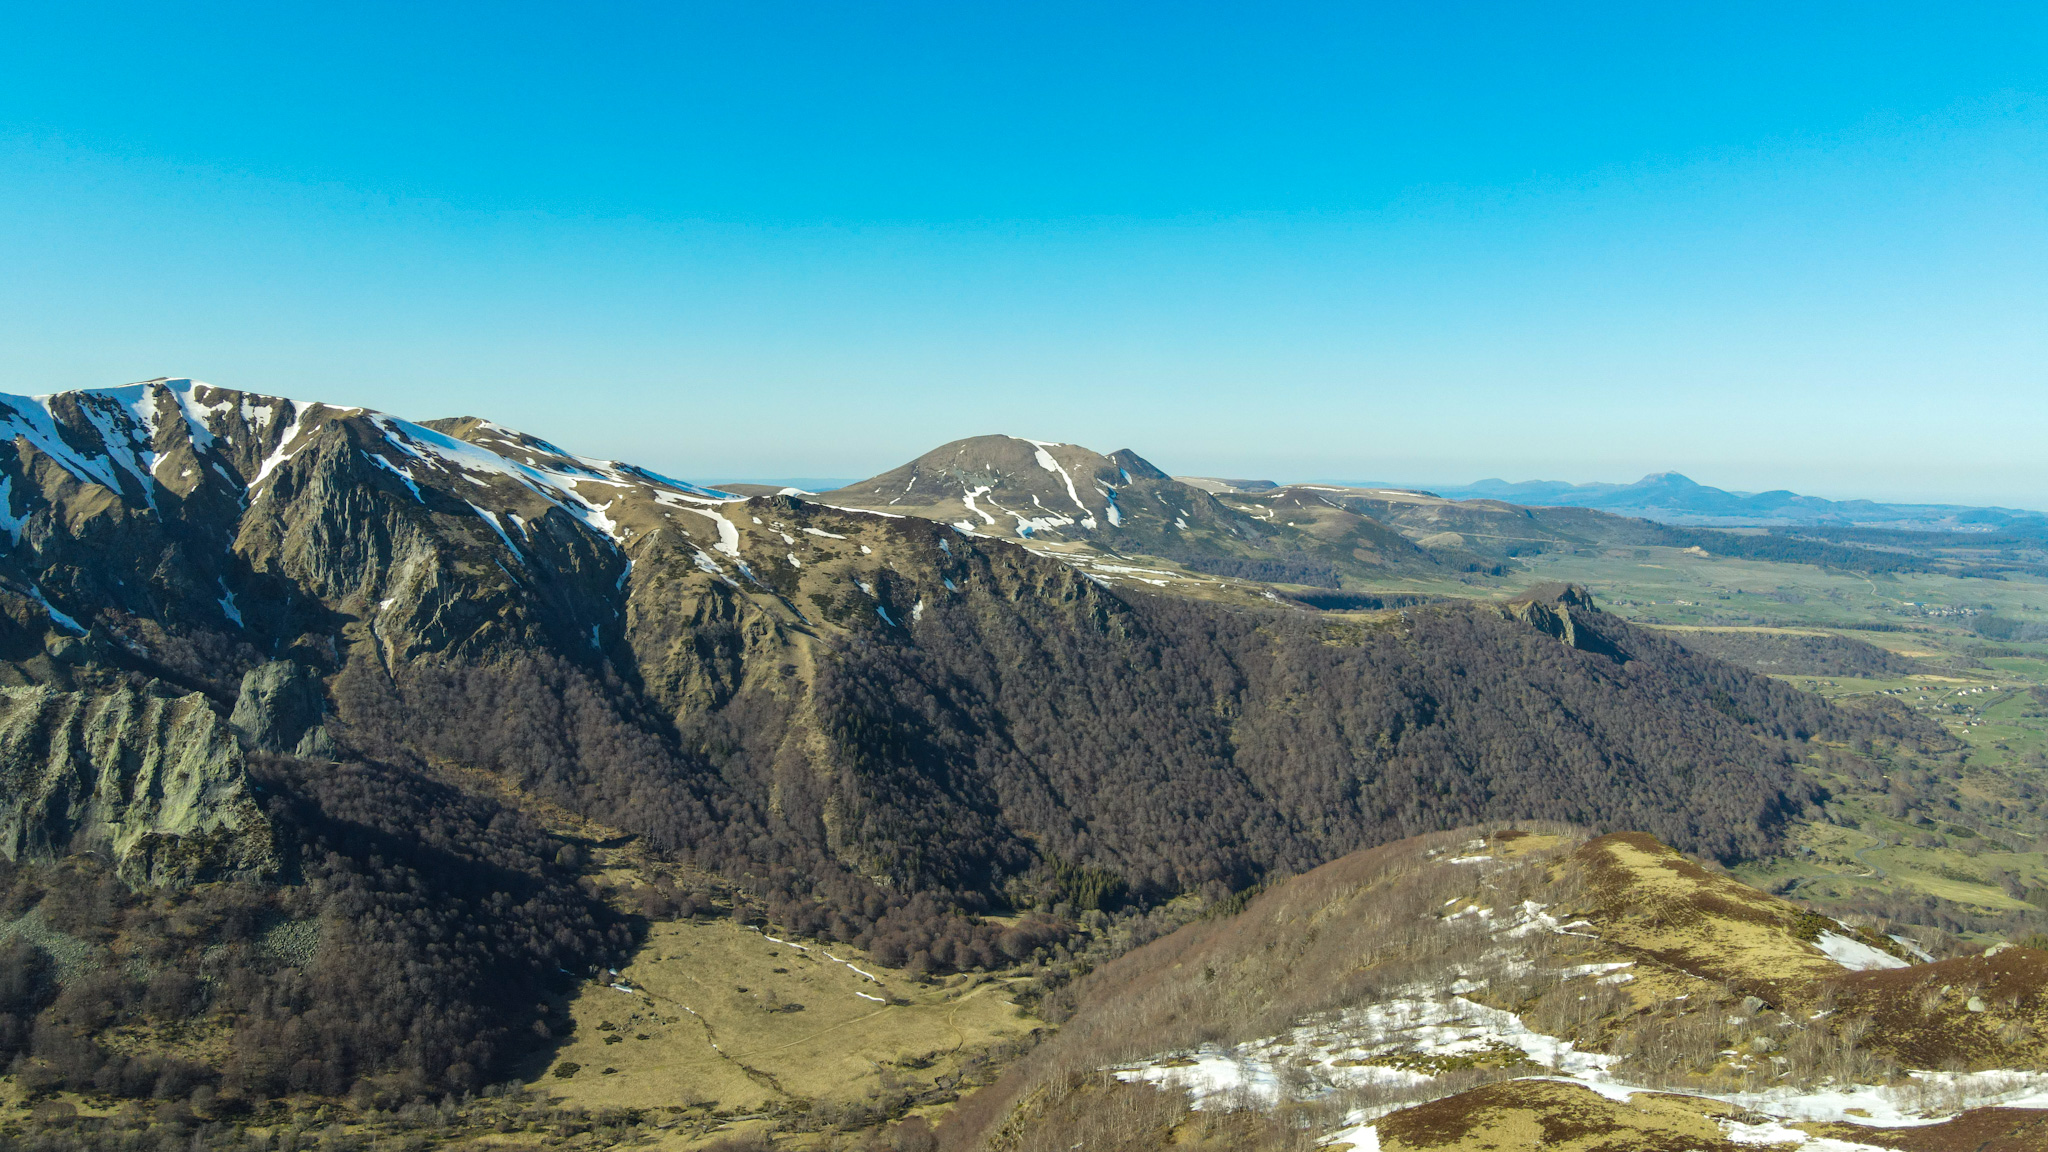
pixel 1046 462
pixel 1855 955
pixel 55 615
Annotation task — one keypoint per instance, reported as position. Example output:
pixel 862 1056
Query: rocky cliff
pixel 149 777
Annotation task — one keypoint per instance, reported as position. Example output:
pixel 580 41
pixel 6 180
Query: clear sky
pixel 1768 245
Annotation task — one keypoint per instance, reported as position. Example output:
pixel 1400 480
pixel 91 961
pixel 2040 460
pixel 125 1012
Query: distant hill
pixel 1007 486
pixel 1494 533
pixel 1676 499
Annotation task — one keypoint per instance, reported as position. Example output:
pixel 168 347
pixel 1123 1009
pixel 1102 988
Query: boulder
pixel 280 709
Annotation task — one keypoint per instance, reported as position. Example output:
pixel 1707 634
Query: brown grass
pixel 1536 1114
pixel 723 1016
pixel 1978 1130
pixel 1652 902
pixel 1551 1115
pixel 1922 1014
pixel 1347 933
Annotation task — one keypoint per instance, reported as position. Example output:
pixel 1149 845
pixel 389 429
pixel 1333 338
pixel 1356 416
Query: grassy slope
pixel 725 1019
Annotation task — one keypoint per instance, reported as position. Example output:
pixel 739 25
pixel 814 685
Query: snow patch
pixel 1361 1137
pixel 728 533
pixel 8 520
pixel 1919 953
pixel 869 512
pixel 1341 1049
pixel 404 477
pixel 1855 955
pixel 1046 462
pixel 857 970
pixel 282 452
pixel 705 562
pixel 59 617
pixel 968 499
pixel 491 518
pixel 1028 526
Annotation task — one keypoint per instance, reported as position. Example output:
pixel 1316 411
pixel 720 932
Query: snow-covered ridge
pixel 559 479
pixel 115 438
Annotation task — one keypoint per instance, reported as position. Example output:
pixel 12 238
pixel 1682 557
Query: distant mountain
pixel 1676 499
pixel 1008 486
pixel 1220 484
pixel 1065 494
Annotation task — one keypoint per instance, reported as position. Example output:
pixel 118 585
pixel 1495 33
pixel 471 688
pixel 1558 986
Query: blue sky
pixel 1767 245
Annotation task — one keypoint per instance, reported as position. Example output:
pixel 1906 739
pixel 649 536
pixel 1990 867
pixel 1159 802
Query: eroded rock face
pixel 280 710
pixel 1548 608
pixel 150 778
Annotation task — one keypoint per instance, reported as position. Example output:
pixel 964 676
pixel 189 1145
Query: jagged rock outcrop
pixel 152 779
pixel 1548 609
pixel 280 710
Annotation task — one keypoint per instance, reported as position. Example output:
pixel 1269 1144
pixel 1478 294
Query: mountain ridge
pixel 874 728
pixel 373 551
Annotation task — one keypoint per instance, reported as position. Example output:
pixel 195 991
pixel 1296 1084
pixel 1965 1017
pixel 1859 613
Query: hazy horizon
pixel 816 483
